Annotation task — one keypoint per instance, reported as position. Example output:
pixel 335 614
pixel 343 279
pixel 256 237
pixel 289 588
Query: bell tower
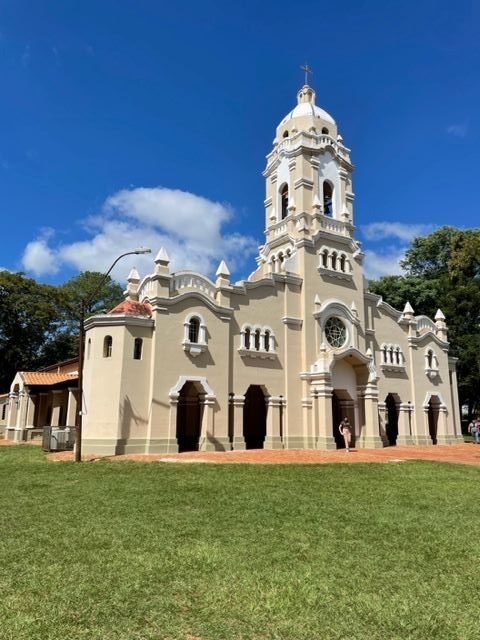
pixel 308 183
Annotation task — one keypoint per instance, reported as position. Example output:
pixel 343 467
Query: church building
pixel 277 360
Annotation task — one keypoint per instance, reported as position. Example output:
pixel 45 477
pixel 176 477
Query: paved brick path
pixel 467 453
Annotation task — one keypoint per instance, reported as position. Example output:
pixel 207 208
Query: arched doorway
pixel 433 412
pixel 342 407
pixel 254 417
pixel 391 428
pixel 189 416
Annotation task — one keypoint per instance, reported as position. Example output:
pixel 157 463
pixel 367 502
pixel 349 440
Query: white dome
pixel 306 108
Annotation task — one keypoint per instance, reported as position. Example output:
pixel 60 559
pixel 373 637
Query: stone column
pixel 31 407
pixel 72 406
pixel 56 407
pixel 382 421
pixel 207 440
pixel 12 410
pixel 273 438
pixel 457 432
pixel 238 404
pixel 170 444
pixel 308 423
pixel 370 437
pixel 443 437
pixel 323 414
pixel 21 403
pixel 422 435
pixel 404 424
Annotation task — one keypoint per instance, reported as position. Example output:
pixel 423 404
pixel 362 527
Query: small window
pixel 267 340
pixel 334 261
pixel 430 360
pixel 247 338
pixel 384 355
pixel 342 263
pixel 284 199
pixel 193 329
pixel 137 349
pixel 325 258
pixel 325 131
pixel 107 347
pixel 327 198
pixel 4 411
pixel 257 340
pixel 398 356
pixel 285 134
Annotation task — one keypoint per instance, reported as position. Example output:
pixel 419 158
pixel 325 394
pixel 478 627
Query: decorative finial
pixel 307 69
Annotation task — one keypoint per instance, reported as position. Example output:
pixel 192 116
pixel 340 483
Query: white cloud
pixel 38 258
pixel 405 232
pixel 458 130
pixel 384 263
pixel 190 227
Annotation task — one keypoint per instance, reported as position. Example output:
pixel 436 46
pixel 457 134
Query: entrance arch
pixel 392 403
pixel 255 417
pixel 342 407
pixel 434 404
pixel 189 416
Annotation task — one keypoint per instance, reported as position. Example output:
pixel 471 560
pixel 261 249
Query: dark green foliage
pixel 132 551
pixel 30 317
pixel 443 271
pixel 39 322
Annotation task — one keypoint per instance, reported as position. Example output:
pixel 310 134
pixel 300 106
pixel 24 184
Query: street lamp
pixel 81 348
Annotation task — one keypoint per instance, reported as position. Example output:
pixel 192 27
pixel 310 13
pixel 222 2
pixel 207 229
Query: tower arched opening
pixel 328 198
pixel 284 200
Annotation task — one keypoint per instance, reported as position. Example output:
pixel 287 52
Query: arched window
pixel 342 262
pixel 137 349
pixel 285 134
pixel 390 356
pixel 247 338
pixel 384 355
pixel 327 198
pixel 334 261
pixel 398 356
pixel 267 340
pixel 284 201
pixel 257 340
pixel 193 329
pixel 325 258
pixel 107 347
pixel 325 131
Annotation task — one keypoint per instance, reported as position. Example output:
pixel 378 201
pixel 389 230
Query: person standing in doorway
pixel 346 431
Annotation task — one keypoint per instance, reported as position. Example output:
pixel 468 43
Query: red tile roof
pixel 46 377
pixel 133 308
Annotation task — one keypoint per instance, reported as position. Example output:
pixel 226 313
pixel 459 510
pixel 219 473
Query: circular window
pixel 335 332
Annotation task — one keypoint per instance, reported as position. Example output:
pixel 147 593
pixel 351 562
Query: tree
pixel 28 320
pixel 443 271
pixel 101 292
pixel 39 323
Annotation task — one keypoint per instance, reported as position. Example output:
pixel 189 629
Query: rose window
pixel 335 332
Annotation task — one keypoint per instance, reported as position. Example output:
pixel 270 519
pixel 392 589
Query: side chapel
pixel 277 360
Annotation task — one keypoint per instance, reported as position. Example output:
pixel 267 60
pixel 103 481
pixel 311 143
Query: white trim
pixel 175 390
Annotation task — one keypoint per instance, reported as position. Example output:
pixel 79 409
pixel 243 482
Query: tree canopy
pixel 442 270
pixel 39 322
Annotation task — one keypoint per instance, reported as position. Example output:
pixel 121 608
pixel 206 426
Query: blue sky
pixel 127 123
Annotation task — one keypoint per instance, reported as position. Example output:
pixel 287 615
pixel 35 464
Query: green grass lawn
pixel 133 551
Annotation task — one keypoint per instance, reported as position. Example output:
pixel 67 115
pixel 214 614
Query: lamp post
pixel 81 349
